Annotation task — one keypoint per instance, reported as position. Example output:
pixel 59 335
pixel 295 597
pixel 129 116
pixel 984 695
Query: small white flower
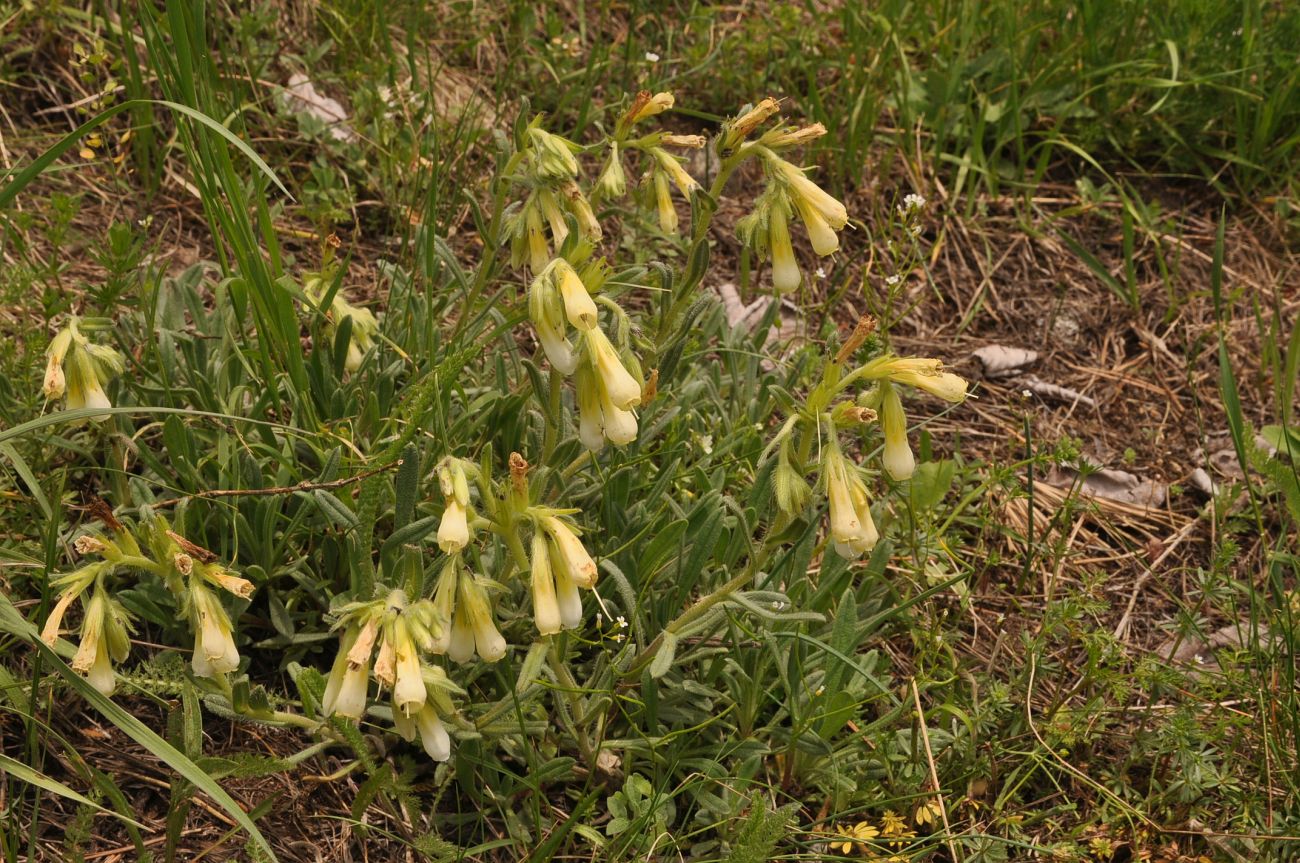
pixel 622 622
pixel 1026 393
pixel 893 280
pixel 821 690
pixel 651 57
pixel 911 203
pixel 821 272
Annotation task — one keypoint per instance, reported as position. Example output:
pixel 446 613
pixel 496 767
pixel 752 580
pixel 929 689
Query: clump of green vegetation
pixel 550 452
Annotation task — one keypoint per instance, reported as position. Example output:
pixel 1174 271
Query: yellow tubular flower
pixel 539 254
pixel 793 137
pixel 55 382
pixel 84 389
pixel 334 682
pixel 924 374
pixel 453 529
pixel 898 460
pixel 751 120
pixel 434 737
pixel 554 216
pixel 214 643
pixel 546 609
pixel 852 528
pixel 620 425
pixel 478 612
pixel 823 237
pixel 623 390
pixel 409 693
pixel 831 209
pixel 545 309
pixel 92 657
pixel 444 606
pixel 686 142
pixel 591 427
pixel 669 164
pixel 785 269
pixel 573 557
pixel 461 646
pixel 351 698
pixel 581 209
pixel 578 304
pixel 50 632
pixel 385 669
pixel 570 601
pixel 649 107
pixel 664 200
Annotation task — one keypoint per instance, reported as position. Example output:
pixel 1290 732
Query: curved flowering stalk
pixel 77 370
pixel 826 411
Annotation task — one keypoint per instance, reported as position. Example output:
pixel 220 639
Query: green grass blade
pixel 156 746
pixel 35 777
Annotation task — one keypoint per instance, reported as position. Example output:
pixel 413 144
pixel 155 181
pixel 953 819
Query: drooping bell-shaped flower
pixel 897 460
pixel 214 642
pixel 853 530
pixel 785 269
pixel 623 390
pixel 571 553
pixel 546 608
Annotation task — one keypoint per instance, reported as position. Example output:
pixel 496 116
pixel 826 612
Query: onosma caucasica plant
pixel 511 573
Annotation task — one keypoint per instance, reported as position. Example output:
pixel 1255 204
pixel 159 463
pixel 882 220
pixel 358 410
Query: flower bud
pixel 581 209
pixel 539 254
pixel 622 389
pixel 898 460
pixel 55 354
pixel 444 607
pixel 552 155
pixel 345 689
pixel 612 182
pixel 546 610
pixel 554 216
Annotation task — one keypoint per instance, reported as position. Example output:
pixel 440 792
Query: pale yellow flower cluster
pixel 77 370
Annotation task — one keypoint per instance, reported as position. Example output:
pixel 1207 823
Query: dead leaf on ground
pixel 1000 361
pixel 1116 485
pixel 301 97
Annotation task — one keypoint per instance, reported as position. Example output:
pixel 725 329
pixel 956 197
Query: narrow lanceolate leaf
pixel 159 748
pixel 32 776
